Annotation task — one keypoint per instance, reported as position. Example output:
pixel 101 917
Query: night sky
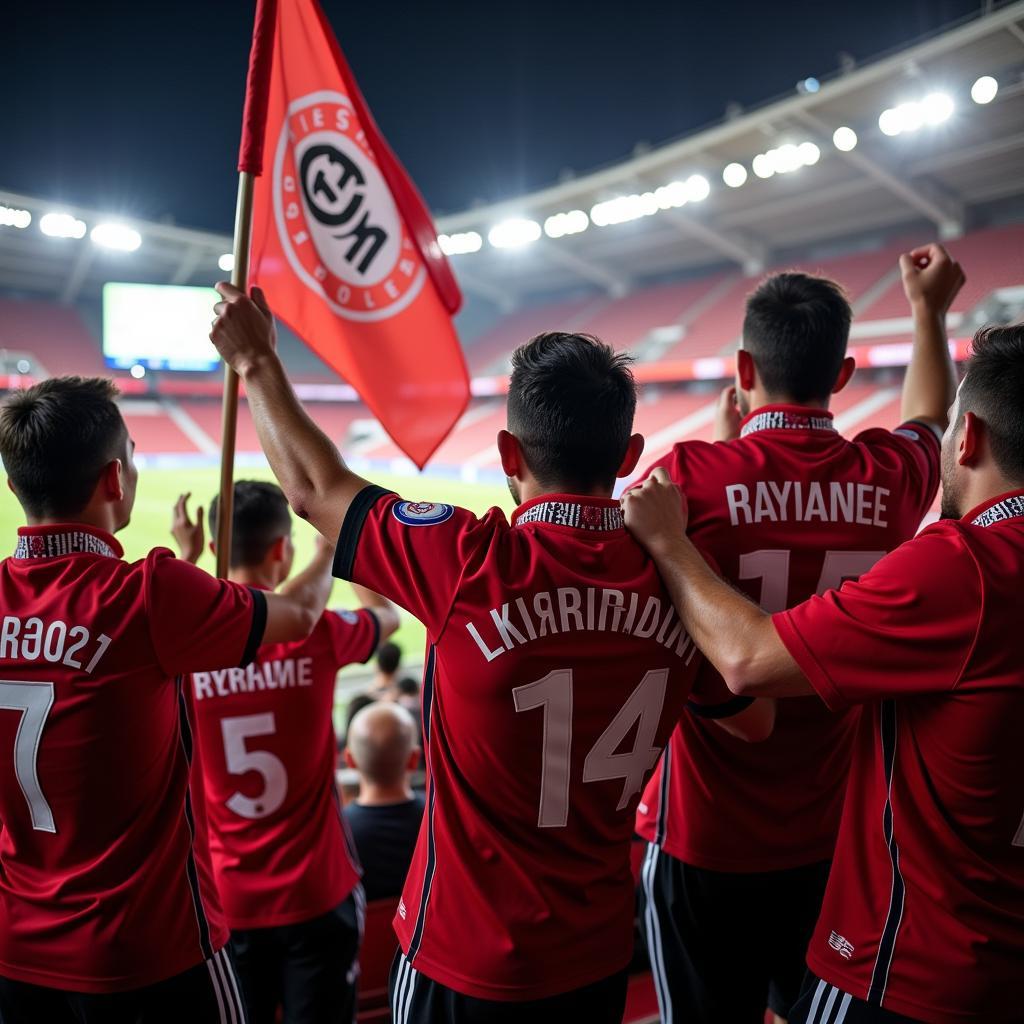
pixel 135 108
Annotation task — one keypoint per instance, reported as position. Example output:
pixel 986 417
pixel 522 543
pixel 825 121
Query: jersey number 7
pixel 553 693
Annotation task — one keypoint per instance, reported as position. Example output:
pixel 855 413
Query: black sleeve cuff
pixel 352 527
pixel 375 643
pixel 726 709
pixel 258 627
pixel 932 429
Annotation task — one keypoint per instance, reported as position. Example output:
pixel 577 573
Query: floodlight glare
pixel 24 366
pixel 889 122
pixel 698 188
pixel 227 262
pixel 116 236
pixel 734 175
pixel 513 233
pixel 12 217
pixel 763 166
pixel 570 223
pixel 936 108
pixel 138 371
pixel 984 89
pixel 61 225
pixel 844 139
pixel 460 243
pixel 809 153
pixel 672 196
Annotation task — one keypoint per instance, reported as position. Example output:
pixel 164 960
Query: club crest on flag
pixel 337 222
pixel 422 513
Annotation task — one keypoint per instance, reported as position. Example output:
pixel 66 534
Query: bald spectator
pixel 385 819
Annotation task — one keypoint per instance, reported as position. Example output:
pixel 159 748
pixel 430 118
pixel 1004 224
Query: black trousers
pixel 822 1003
pixel 724 946
pixel 416 999
pixel 205 994
pixel 309 970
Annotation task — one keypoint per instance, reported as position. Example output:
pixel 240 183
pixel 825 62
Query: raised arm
pixel 311 472
pixel 734 634
pixel 931 280
pixel 387 614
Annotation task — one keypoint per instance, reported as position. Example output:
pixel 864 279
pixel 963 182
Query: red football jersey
pixel 924 911
pixel 102 884
pixel 281 850
pixel 788 510
pixel 555 671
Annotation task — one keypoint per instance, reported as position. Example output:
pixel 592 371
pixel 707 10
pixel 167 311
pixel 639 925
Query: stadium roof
pixel 942 154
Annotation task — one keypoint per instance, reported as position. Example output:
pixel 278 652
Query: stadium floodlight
pixel 513 233
pixel 12 217
pixel 810 154
pixel 624 208
pixel 844 139
pixel 734 175
pixel 672 196
pixel 698 188
pixel 61 225
pixel 763 165
pixel 138 371
pixel 460 243
pixel 227 262
pixel 570 223
pixel 936 108
pixel 984 89
pixel 23 366
pixel 889 122
pixel 786 158
pixel 809 85
pixel 116 236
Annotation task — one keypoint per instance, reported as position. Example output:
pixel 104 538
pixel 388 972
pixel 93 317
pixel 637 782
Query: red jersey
pixel 555 671
pixel 281 850
pixel 103 887
pixel 787 510
pixel 924 910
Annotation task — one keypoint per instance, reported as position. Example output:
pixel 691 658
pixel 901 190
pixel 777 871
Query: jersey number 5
pixel 553 693
pixel 241 760
pixel 772 568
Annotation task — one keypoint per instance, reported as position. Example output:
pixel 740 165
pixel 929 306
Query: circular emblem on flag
pixel 338 225
pixel 422 513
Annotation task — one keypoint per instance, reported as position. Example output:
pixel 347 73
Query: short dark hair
pixel 56 437
pixel 389 656
pixel 571 403
pixel 260 516
pixel 796 329
pixel 994 390
pixel 408 687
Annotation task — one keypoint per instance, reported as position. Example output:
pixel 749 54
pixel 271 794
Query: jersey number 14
pixel 553 693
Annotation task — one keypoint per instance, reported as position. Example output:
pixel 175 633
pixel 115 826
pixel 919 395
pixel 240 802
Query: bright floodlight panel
pixel 160 326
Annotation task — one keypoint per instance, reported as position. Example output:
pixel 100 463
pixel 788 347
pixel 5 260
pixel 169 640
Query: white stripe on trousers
pixel 405 983
pixel 826 1011
pixel 655 951
pixel 225 989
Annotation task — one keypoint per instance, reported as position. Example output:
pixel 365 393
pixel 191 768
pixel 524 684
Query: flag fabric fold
pixel 342 243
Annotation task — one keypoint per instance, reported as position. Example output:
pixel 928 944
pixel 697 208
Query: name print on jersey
pixel 797 501
pixel 570 610
pixel 279 674
pixel 33 640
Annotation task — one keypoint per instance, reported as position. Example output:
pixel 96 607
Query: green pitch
pixel 159 489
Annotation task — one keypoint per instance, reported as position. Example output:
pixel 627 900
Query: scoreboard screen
pixel 158 326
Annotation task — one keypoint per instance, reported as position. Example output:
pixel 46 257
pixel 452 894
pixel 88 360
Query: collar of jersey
pixel 997 509
pixel 572 510
pixel 786 417
pixel 59 539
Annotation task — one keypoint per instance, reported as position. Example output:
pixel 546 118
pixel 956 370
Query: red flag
pixel 342 242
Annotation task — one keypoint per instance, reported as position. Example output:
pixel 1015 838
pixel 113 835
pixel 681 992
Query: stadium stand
pixel 55 337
